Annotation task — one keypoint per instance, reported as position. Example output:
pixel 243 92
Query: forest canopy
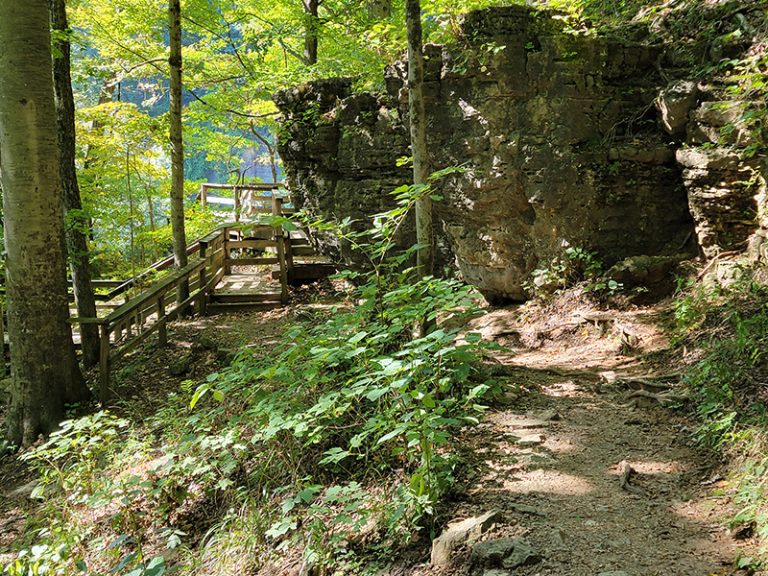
pixel 236 55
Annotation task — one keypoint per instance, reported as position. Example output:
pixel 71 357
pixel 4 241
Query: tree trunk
pixel 311 13
pixel 177 146
pixel 77 225
pixel 44 371
pixel 417 114
pixel 270 150
pixel 151 211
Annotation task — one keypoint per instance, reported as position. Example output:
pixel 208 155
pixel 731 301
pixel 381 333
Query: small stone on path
pixel 524 509
pixel 505 553
pixel 523 422
pixel 463 532
pixel 549 416
pixel 531 440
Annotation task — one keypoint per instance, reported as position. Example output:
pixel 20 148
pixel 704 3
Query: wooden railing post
pixel 277 205
pixel 203 194
pixel 236 193
pixel 288 257
pixel 162 330
pixel 104 364
pixel 203 293
pixel 225 246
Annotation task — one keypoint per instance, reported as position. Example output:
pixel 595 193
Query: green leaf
pixel 201 391
pixel 334 455
pixel 389 435
pixel 156 567
pixel 280 528
pixel 377 393
pixel 124 561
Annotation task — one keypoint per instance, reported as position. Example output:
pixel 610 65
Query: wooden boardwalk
pixel 239 266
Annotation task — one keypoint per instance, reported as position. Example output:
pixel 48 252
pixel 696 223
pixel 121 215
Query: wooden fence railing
pixel 252 198
pixel 149 312
pixel 119 287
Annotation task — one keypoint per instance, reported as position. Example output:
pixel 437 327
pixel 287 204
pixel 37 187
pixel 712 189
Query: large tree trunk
pixel 177 146
pixel 77 224
pixel 311 15
pixel 416 111
pixel 44 371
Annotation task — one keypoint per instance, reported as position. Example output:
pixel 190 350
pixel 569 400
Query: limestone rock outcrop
pixel 557 132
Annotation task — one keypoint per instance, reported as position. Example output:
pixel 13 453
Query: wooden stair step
pixel 224 307
pixel 244 297
pixel 303 251
pixel 308 271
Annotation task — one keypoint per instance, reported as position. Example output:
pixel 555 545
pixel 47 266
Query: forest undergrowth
pixel 724 331
pixel 329 453
pixel 337 453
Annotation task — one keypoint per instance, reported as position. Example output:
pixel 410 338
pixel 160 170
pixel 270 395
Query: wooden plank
pixel 253 244
pixel 203 295
pixel 162 333
pixel 255 186
pixel 251 261
pixel 244 297
pixel 304 251
pixel 277 205
pixel 101 283
pixel 308 272
pixel 179 307
pixel 84 320
pixel 161 287
pixel 158 266
pixel 243 307
pixel 289 253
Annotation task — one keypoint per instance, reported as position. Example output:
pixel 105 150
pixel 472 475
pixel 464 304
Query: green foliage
pixel 335 444
pixel 575 266
pixel 723 382
pixel 729 326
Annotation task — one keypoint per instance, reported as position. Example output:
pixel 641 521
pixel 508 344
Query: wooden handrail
pixel 162 286
pixel 203 274
pixel 152 302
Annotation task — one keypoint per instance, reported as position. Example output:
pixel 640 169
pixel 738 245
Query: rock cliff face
pixel 560 137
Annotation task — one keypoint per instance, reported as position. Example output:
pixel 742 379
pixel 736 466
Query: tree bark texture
pixel 77 225
pixel 44 371
pixel 311 14
pixel 418 123
pixel 177 145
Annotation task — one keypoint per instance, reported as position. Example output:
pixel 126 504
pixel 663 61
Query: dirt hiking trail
pixel 582 480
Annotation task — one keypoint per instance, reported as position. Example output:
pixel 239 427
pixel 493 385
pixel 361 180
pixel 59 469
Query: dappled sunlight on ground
pixel 549 482
pixel 551 458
